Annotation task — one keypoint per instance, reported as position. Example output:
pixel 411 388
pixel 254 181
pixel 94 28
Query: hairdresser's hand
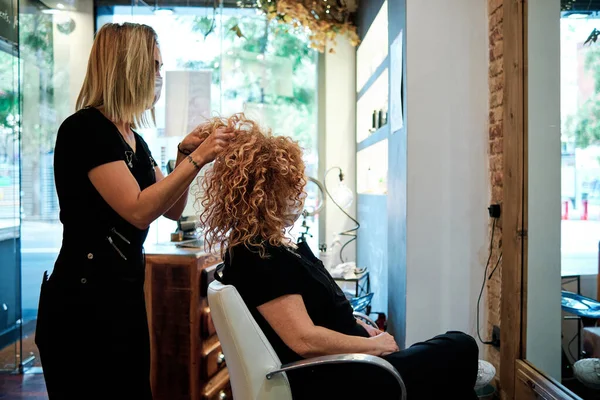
pixel 193 139
pixel 385 343
pixel 370 329
pixel 213 145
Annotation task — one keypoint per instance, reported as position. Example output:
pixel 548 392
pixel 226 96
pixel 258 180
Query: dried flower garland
pixel 324 19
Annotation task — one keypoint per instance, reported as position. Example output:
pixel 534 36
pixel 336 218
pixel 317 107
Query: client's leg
pixel 440 368
pixel 443 366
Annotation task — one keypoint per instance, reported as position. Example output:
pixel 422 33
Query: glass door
pixel 54 44
pixel 10 288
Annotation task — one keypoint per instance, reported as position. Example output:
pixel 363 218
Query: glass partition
pixel 10 289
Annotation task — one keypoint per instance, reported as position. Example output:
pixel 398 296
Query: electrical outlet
pixel 496 336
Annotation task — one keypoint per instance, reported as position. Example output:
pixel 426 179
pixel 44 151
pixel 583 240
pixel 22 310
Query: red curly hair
pixel 254 190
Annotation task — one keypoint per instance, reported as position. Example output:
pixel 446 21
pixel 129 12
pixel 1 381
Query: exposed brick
pixel 496 99
pixel 496 67
pixel 493 5
pixel 496 115
pixel 496 83
pixel 496 166
pixel 498 50
pixel 496 146
pixel 495 130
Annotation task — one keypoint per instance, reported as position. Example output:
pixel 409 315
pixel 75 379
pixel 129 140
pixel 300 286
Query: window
pixel 263 68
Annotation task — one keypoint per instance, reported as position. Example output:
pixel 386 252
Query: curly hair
pixel 254 190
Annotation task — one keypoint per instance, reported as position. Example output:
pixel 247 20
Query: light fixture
pixel 160 11
pixel 577 16
pixel 342 194
pixel 60 6
pixel 51 11
pixel 163 11
pixel 342 197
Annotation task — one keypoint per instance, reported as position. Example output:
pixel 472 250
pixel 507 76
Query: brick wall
pixel 495 129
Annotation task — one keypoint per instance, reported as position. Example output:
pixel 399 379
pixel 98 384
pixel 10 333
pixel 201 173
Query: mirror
pixel 562 195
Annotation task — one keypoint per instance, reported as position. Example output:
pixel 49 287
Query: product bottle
pixel 325 255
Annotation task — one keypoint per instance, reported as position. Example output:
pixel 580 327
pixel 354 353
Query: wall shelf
pixel 380 69
pixel 371 169
pixel 374 48
pixel 377 136
pixel 373 100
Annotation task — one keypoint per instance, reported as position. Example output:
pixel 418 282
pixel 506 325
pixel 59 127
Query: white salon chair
pixel 254 369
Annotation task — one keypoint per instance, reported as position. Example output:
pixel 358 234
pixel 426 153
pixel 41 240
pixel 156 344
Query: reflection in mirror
pixel 564 121
pixel 543 320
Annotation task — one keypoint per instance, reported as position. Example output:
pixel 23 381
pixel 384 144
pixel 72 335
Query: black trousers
pixel 439 368
pixel 93 340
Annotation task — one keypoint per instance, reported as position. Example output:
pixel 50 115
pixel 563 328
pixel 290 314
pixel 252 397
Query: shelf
pixel 371 169
pixel 382 67
pixel 376 137
pixel 374 99
pixel 374 48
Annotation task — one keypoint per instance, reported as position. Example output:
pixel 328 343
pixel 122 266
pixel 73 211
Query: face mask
pixel 158 82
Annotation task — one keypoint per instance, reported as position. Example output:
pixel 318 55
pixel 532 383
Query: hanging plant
pixel 324 19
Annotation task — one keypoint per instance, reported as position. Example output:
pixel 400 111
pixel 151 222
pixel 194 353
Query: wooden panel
pixel 530 384
pixel 170 329
pixel 181 362
pixel 208 327
pixel 218 388
pixel 212 358
pixel 514 229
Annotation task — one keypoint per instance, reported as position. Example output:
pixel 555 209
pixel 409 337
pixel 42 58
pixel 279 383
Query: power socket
pixel 496 336
pixel 494 210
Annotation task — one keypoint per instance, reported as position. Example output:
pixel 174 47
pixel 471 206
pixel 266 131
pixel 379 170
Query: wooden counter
pixel 187 362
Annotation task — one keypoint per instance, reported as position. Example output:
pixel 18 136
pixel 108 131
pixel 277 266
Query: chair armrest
pixel 344 359
pixel 365 318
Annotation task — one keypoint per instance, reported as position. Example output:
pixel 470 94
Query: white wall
pixel 447 175
pixel 544 163
pixel 337 147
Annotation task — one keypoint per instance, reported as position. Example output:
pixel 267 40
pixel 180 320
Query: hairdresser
pixel 92 330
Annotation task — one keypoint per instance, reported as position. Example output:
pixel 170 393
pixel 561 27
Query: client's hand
pixel 370 329
pixel 385 343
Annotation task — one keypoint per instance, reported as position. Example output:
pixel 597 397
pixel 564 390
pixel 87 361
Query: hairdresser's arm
pixel 174 213
pixel 288 317
pixel 120 190
pixel 188 145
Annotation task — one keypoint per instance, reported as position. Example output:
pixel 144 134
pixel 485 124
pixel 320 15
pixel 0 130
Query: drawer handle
pixel 220 358
pixel 222 395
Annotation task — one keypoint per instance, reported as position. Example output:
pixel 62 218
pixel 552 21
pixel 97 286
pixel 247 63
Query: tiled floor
pixel 29 386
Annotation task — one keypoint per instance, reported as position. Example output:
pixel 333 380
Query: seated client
pixel 251 196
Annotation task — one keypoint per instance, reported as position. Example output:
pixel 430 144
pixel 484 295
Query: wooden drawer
pixel 207 327
pixel 212 358
pixel 218 388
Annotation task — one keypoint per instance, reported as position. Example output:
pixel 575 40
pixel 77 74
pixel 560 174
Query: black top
pixel 287 271
pixel 85 140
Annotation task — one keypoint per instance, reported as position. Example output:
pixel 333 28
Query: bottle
pixel 325 255
pixel 375 121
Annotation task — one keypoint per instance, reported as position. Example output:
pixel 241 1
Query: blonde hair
pixel 120 73
pixel 249 191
